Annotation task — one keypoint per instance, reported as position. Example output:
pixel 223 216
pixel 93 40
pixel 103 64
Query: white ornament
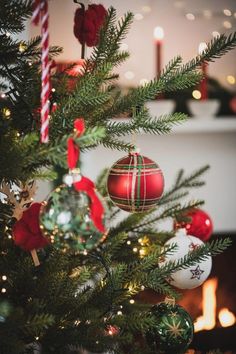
pixel 193 276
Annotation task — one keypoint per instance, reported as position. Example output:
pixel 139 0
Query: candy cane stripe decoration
pixel 41 10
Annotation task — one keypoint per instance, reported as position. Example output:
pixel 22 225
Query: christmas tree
pixel 81 293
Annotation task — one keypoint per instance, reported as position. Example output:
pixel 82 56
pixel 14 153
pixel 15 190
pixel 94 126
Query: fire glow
pixel 208 319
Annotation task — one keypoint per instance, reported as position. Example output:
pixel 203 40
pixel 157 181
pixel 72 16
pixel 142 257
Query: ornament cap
pixel 181 232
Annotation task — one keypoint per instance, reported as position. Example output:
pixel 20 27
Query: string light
pixel 227 24
pixel 119 313
pixel 85 253
pixel 132 301
pixel 4 290
pixel 6 112
pixel 196 94
pixel 22 47
pixel 135 249
pixel 3 95
pixel 227 12
pixel 4 277
pixel 142 287
pixel 53 89
pixel 231 79
pixel 142 252
pixel 128 242
pixel 190 17
pixel 36 338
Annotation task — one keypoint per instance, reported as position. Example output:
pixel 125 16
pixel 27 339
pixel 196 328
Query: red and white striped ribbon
pixel 40 10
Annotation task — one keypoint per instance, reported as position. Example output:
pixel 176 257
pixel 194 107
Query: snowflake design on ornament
pixel 174 328
pixel 196 273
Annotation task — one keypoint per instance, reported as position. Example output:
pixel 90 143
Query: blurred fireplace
pixel 212 306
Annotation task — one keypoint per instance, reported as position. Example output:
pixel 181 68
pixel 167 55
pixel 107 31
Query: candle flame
pixel 158 33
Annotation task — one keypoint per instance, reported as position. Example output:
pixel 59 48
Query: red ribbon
pixel 96 207
pixel 72 149
pixel 85 184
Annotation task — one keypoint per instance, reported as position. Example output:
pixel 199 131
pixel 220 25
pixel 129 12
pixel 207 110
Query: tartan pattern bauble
pixel 135 183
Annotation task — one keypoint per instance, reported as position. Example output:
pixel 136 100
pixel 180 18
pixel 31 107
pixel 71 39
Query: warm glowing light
pixel 138 17
pixel 4 290
pixel 4 277
pixel 22 47
pixel 6 112
pixel 226 318
pixel 146 8
pixel 135 249
pixel 37 338
pixel 190 17
pixel 202 47
pixel 132 301
pixel 3 95
pixel 128 242
pixel 227 12
pixel 196 94
pixel 208 319
pixel 231 79
pixel 215 34
pixel 142 252
pixel 158 33
pixel 53 89
pixel 129 75
pixel 119 313
pixel 227 24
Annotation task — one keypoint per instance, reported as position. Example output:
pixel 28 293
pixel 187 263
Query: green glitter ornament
pixel 173 331
pixel 66 221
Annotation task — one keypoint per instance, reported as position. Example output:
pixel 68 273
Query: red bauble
pixel 200 226
pixel 26 231
pixel 135 183
pixel 87 24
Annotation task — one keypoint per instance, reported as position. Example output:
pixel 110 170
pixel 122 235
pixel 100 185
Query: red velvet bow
pixel 72 149
pixel 96 207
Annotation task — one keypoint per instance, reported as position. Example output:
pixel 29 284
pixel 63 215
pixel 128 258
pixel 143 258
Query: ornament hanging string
pixel 40 12
pixel 84 184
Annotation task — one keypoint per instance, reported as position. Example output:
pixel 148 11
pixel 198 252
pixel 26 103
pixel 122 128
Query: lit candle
pixel 203 83
pixel 158 36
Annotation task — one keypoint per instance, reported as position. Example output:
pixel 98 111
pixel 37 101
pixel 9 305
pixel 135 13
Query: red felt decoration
pixel 200 224
pixel 26 231
pixel 135 183
pixel 87 24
